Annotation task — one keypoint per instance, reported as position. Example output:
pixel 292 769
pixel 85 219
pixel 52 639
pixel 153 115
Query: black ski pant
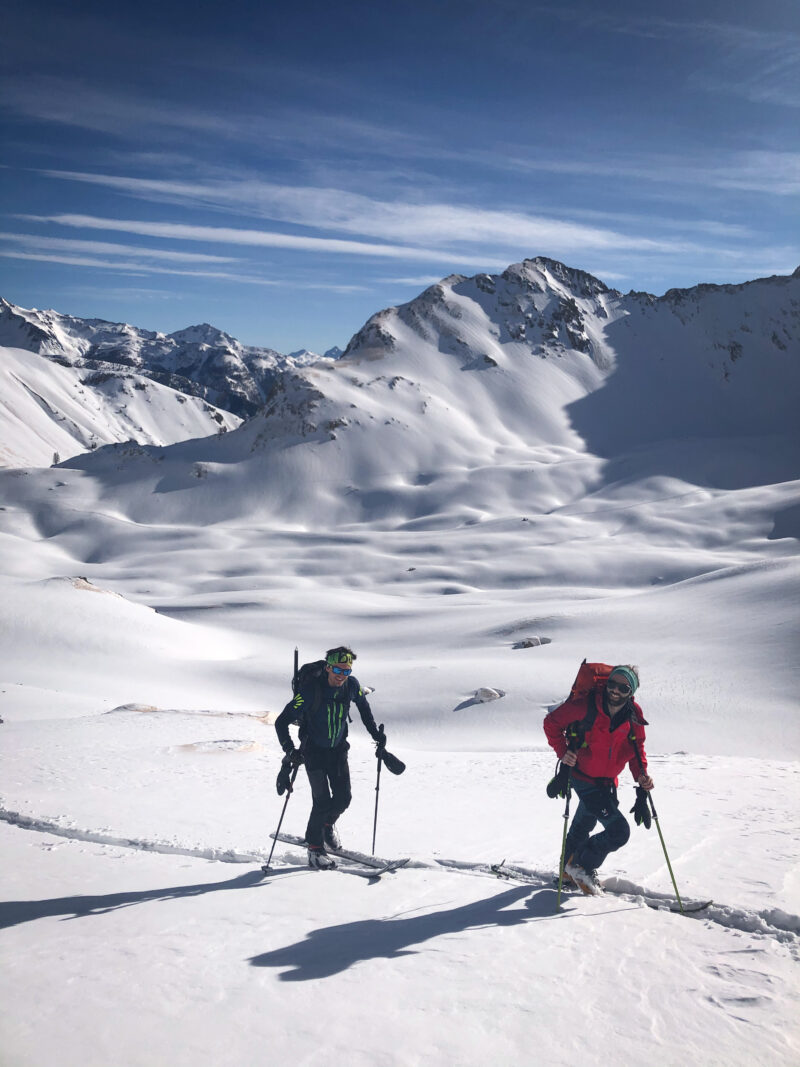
pixel 329 777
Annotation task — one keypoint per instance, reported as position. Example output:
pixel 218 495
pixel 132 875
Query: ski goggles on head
pixel 341 670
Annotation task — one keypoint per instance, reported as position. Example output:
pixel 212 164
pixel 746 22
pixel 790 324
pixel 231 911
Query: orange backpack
pixel 590 676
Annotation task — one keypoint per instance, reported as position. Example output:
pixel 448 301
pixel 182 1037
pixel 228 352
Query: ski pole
pixel 280 821
pixel 658 825
pixel 377 792
pixel 574 742
pixel 563 848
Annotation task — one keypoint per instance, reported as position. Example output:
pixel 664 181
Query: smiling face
pixel 337 675
pixel 617 690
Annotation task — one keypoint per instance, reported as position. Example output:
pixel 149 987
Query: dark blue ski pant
pixel 596 804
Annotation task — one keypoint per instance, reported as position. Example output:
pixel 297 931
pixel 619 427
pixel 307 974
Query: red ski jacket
pixel 607 751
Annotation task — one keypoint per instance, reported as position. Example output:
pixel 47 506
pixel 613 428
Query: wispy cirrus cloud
pixel 450 226
pixel 773 172
pixel 295 130
pixel 756 62
pixel 36 243
pixel 752 62
pixel 122 267
pixel 257 238
pixel 127 266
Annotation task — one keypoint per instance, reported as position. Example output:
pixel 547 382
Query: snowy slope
pixel 504 476
pixel 144 946
pixel 49 411
pixel 202 362
pixel 517 392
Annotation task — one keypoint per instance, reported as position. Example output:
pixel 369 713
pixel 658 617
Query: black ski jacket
pixel 323 712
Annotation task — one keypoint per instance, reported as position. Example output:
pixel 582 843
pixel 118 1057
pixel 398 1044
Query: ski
pixel 520 874
pixel 382 865
pixel 689 906
pixel 372 873
pixel 376 872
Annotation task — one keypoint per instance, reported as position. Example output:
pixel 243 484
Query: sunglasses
pixel 623 688
pixel 342 670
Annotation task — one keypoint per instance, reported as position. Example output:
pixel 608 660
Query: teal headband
pixel 633 681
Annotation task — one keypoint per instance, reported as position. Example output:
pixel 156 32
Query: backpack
pixel 307 675
pixel 313 674
pixel 310 674
pixel 590 678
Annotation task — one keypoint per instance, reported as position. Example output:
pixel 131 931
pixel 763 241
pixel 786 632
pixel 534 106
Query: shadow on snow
pixel 331 950
pixel 14 912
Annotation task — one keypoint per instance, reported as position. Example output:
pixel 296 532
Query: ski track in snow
pixel 772 922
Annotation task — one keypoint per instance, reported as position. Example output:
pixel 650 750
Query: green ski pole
pixel 658 825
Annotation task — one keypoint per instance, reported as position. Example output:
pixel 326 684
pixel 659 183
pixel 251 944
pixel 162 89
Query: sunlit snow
pixel 501 478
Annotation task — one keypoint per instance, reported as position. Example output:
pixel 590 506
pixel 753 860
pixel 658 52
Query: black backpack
pixel 310 676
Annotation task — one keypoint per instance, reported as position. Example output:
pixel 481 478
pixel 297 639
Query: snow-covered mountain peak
pixel 538 304
pixel 204 334
pixel 513 372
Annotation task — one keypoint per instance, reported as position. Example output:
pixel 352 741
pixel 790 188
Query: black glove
pixel 289 763
pixel 380 737
pixel 559 783
pixel 641 809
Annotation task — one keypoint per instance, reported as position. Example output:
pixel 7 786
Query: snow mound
pixel 228 745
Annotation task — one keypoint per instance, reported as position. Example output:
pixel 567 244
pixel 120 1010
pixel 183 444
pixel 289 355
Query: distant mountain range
pixel 199 361
pixel 517 391
pixel 119 382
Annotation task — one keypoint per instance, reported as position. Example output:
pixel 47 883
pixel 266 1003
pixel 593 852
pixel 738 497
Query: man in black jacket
pixel 322 710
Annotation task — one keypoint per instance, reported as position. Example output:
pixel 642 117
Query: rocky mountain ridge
pixel 200 360
pixel 514 391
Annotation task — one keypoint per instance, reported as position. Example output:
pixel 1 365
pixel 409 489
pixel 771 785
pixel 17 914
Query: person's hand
pixel 570 758
pixel 294 756
pixel 559 783
pixel 646 782
pixel 641 809
pixel 380 738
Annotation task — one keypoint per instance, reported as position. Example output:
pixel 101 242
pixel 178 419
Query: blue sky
pixel 283 171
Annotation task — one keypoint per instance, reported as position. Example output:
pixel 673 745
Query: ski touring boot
pixel 319 860
pixel 566 879
pixel 586 881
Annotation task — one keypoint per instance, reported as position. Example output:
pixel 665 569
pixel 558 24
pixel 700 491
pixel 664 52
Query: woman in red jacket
pixel 593 736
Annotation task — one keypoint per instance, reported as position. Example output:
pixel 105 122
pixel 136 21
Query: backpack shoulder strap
pixel 577 731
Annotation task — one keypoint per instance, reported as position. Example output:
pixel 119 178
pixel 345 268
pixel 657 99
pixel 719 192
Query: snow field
pixel 616 481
